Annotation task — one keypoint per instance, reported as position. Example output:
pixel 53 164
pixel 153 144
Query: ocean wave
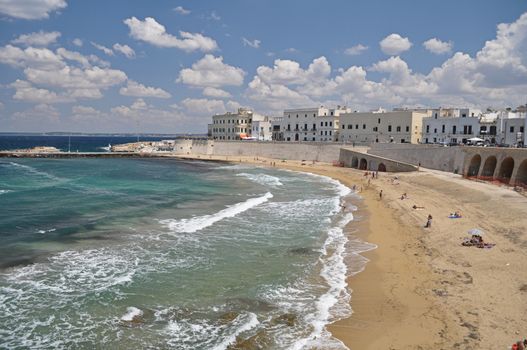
pixel 198 223
pixel 262 179
pixel 34 171
pixel 5 191
pixel 132 314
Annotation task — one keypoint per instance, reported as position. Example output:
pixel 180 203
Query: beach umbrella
pixel 475 232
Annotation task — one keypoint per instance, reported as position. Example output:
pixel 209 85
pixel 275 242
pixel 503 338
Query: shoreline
pixel 421 288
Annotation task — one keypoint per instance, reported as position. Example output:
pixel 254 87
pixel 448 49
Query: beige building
pixel 233 126
pixel 371 127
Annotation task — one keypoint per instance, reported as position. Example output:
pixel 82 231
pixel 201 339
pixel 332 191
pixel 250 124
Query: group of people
pixel 520 345
pixel 476 241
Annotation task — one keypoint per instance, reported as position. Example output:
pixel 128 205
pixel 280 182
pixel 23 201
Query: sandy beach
pixel 422 289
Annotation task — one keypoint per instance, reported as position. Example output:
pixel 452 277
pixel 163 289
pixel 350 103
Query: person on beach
pixel 429 221
pixel 417 207
pixel 380 195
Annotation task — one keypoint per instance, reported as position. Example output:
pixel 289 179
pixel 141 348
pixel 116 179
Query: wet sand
pixel 422 289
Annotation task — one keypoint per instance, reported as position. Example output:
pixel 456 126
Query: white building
pixel 309 124
pixel 453 125
pixel 261 129
pixel 399 126
pixel 511 128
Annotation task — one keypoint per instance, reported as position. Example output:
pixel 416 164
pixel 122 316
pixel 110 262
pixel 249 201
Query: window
pixel 343 126
pixel 326 132
pixel 389 128
pixel 350 126
pixel 321 132
pixel 379 121
pixel 435 116
pixel 326 123
pixel 375 128
pixel 305 116
pixel 321 123
pixel 288 127
pixel 398 129
pixel 435 131
pixel 363 126
pixel 407 129
pixel 329 132
pixel 443 128
pixel 454 129
pixel 331 113
pixel 330 123
pixel 428 128
pixel 511 129
pixel 464 115
pixel 356 126
pixel 521 129
pixel 470 129
pixel 314 126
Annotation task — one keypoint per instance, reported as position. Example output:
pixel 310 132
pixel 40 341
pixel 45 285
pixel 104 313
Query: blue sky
pixel 167 66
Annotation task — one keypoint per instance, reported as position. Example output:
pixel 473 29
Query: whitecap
pixel 262 179
pixel 132 314
pixel 200 222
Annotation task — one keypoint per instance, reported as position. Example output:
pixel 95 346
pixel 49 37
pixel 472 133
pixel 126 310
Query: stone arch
pixel 521 177
pixel 489 167
pixel 506 168
pixel 354 162
pixel 382 167
pixel 363 165
pixel 474 165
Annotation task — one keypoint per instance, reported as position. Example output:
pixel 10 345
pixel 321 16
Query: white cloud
pixel 24 91
pixel 35 57
pixel 125 50
pixel 394 44
pixel 290 72
pixel 181 10
pixel 437 46
pixel 85 110
pixel 139 90
pixel 31 9
pixel 155 33
pixel 210 71
pixel 214 16
pixel 77 42
pixel 203 106
pixel 76 78
pixel 40 38
pixel 254 43
pixel 214 92
pixel 104 49
pixel 355 50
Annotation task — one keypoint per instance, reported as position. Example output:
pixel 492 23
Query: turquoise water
pixel 134 254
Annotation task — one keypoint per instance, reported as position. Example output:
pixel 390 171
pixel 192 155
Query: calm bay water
pixel 65 143
pixel 132 253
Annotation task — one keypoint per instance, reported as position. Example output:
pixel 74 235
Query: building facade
pixel 399 126
pixel 318 124
pixel 245 124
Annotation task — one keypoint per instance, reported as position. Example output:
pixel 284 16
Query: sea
pixel 170 254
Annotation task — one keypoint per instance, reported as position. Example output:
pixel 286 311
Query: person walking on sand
pixel 380 195
pixel 429 221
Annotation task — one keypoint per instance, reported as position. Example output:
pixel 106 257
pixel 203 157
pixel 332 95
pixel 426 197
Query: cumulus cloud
pixel 104 49
pixel 252 43
pixel 290 72
pixel 154 33
pixel 210 71
pixel 355 50
pixel 136 89
pixel 437 46
pixel 125 50
pixel 31 9
pixel 77 42
pixel 40 38
pixel 24 91
pixel 394 44
pixel 214 92
pixel 181 10
pixel 35 57
pixel 203 106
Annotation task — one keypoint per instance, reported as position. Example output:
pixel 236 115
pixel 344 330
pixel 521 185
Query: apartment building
pixel 398 126
pixel 309 124
pixel 245 124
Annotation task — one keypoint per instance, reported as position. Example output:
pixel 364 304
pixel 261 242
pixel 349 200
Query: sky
pixel 167 66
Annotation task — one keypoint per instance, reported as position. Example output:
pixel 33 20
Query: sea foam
pixel 200 222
